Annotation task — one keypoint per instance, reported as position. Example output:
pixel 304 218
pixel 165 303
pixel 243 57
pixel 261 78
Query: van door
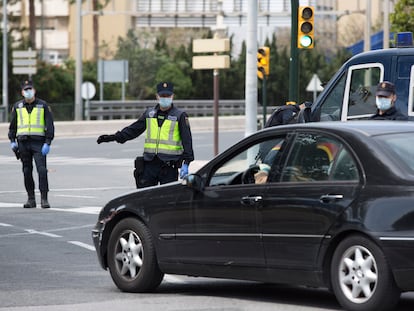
pixel 352 96
pixel 411 94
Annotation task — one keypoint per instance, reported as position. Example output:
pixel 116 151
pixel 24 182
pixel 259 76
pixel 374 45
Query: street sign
pixel 24 70
pixel 211 62
pixel 314 84
pixel 24 54
pixel 88 90
pixel 24 62
pixel 211 45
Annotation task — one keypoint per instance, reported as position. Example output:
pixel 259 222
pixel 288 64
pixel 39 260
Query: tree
pixel 403 17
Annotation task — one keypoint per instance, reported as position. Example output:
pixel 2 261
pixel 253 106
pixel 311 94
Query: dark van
pixel 350 94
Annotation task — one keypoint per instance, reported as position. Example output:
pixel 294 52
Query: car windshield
pixel 402 145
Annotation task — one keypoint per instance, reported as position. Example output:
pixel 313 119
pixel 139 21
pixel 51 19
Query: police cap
pixel 27 84
pixel 385 88
pixel 165 88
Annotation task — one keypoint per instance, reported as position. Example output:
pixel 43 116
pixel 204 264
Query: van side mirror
pixel 194 181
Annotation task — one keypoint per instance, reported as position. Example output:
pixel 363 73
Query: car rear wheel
pixel 361 278
pixel 132 259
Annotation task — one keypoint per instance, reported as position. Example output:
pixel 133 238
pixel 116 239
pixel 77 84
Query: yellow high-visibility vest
pixel 30 123
pixel 165 139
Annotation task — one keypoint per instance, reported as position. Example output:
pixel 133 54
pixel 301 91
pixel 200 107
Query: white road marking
pixel 75 196
pixel 94 210
pixel 5 225
pixel 172 279
pixel 3 204
pixel 84 245
pixel 52 235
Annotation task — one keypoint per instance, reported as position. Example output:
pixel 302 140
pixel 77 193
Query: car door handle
pixel 251 199
pixel 326 198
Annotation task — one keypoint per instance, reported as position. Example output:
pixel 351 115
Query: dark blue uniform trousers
pixel 30 150
pixel 157 171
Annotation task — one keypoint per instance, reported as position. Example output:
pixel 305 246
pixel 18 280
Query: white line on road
pixel 94 210
pixel 5 225
pixel 81 244
pixel 75 196
pixel 31 231
pixel 3 204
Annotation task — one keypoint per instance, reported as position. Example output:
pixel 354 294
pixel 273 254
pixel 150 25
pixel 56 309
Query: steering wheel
pixel 248 175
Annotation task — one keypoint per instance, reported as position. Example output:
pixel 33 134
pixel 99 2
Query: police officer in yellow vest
pixel 168 141
pixel 31 132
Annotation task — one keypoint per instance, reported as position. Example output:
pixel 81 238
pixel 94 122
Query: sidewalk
pixel 95 128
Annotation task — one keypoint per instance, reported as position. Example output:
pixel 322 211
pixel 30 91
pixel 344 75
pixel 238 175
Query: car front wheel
pixel 361 278
pixel 132 259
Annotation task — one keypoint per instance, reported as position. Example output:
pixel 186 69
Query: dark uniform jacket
pixel 390 114
pixel 49 126
pixel 138 127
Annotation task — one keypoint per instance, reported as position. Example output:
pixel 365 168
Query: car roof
pixel 366 127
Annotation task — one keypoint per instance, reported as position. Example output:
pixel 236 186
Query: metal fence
pixel 111 109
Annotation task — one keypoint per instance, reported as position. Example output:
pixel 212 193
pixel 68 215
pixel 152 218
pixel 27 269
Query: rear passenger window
pixel 318 158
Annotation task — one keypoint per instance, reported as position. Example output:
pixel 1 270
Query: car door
pixel 318 180
pixel 224 215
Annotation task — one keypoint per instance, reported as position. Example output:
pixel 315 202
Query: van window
pixel 362 87
pixel 332 106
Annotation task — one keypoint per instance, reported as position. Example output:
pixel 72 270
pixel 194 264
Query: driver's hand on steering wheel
pixel 261 176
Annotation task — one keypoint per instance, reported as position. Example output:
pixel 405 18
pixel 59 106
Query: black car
pixel 333 208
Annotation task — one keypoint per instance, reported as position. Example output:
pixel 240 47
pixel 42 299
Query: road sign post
pixel 214 62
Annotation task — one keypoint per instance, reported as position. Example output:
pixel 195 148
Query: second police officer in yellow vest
pixel 31 132
pixel 168 141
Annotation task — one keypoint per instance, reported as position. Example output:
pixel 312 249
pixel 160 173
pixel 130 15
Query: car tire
pixel 132 259
pixel 361 277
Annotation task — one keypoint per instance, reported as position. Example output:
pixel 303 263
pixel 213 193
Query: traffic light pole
pixel 294 54
pixel 264 98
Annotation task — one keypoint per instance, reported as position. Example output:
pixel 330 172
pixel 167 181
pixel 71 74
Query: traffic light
pixel 263 61
pixel 305 27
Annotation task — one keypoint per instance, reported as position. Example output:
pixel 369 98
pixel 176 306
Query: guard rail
pixel 112 109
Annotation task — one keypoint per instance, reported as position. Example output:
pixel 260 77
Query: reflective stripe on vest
pixel 165 139
pixel 31 123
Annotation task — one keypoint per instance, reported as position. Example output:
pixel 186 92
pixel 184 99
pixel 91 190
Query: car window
pixel 401 146
pixel 263 153
pixel 316 157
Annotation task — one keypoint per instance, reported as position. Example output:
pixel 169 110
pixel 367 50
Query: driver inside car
pixel 264 168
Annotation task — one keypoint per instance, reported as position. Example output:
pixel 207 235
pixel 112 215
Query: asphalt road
pixel 47 261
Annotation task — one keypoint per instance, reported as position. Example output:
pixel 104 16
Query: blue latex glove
pixel 45 149
pixel 13 145
pixel 184 171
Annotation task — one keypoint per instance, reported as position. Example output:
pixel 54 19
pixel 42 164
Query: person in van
pixel 385 98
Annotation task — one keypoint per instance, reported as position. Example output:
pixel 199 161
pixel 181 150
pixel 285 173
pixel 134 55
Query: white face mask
pixel 383 103
pixel 28 94
pixel 165 102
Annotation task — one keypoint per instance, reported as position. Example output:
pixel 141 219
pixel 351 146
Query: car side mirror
pixel 194 181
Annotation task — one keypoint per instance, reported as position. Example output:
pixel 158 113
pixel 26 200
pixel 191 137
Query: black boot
pixel 31 201
pixel 43 200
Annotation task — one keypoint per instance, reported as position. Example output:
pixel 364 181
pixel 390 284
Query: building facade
pixel 339 23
